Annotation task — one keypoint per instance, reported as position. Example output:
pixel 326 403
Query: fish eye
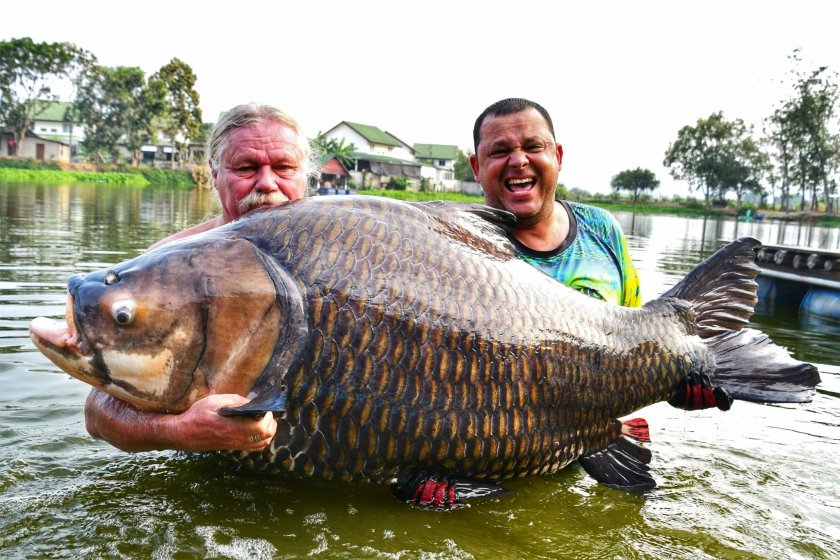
pixel 111 277
pixel 123 312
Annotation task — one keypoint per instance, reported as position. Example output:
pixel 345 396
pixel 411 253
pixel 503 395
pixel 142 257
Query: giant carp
pixel 405 343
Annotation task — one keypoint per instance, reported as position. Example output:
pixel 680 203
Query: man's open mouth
pixel 520 184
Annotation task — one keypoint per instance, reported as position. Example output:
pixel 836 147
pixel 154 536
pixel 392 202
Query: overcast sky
pixel 619 78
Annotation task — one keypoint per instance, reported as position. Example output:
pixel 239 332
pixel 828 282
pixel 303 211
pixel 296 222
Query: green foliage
pixel 28 163
pixel 111 103
pixel 462 169
pixel 334 148
pixel 635 181
pixel 53 177
pixel 168 177
pixel 28 73
pixel 806 149
pixel 717 156
pixel 32 171
pixel 398 183
pixel 181 114
pixel 562 192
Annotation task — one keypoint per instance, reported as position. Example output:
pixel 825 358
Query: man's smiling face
pixel 517 163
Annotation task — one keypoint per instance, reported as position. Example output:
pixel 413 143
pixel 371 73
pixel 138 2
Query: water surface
pixel 755 482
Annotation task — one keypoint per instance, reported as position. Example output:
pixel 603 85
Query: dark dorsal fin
pixel 722 289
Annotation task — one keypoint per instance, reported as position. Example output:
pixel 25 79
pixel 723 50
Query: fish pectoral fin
pixel 622 465
pixel 432 491
pixel 274 402
pixel 696 392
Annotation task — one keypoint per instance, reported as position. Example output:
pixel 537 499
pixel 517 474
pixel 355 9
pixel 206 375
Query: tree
pixel 635 181
pixel 29 72
pixel 334 147
pixel 809 114
pixel 716 156
pixel 118 108
pixel 462 168
pixel 181 115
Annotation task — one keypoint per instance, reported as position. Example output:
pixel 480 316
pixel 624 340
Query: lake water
pixel 754 482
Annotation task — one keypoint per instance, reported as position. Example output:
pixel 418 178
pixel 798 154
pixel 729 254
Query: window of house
pixel 65 127
pixel 441 162
pixel 53 130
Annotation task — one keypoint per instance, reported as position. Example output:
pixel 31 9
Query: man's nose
pixel 518 158
pixel 265 179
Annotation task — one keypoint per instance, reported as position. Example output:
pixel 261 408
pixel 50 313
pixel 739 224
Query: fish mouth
pixel 62 336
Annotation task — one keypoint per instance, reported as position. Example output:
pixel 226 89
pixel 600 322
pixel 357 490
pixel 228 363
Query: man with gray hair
pixel 258 156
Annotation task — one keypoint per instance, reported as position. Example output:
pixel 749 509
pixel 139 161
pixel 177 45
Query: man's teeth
pixel 518 181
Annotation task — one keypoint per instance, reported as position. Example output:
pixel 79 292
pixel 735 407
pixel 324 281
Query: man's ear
pixel 474 165
pixel 560 155
pixel 213 172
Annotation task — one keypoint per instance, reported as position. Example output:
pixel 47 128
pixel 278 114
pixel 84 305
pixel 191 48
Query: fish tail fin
pixel 750 367
pixel 722 293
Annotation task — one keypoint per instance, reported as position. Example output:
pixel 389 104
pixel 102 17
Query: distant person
pixel 517 161
pixel 258 156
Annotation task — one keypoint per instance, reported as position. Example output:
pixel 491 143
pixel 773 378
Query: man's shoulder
pixel 594 219
pixel 198 228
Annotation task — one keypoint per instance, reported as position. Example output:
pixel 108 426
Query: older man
pixel 258 156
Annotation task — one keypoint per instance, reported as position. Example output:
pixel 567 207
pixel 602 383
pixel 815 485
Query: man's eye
pixel 285 170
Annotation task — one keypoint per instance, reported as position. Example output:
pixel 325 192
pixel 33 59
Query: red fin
pixel 636 428
pixel 440 492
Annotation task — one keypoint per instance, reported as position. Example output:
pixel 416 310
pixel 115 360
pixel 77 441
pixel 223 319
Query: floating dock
pixel 800 276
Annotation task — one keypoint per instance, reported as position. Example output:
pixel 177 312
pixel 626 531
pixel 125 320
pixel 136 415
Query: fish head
pixel 169 327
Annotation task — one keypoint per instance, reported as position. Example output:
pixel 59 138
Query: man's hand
pixel 199 428
pixel 206 430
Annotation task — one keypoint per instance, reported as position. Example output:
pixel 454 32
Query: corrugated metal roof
pixel 54 111
pixel 436 151
pixel 374 135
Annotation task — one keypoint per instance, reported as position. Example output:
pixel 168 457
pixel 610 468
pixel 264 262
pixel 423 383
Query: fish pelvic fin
pixel 722 289
pixel 636 428
pixel 623 465
pixel 439 492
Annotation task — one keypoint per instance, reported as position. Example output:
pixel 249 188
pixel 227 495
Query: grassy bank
pixel 52 173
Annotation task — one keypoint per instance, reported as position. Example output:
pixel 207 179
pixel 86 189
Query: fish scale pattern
pixel 432 347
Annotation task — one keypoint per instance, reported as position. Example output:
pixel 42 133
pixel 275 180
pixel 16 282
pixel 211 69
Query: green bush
pixel 167 177
pixel 28 163
pixel 398 183
pixel 54 177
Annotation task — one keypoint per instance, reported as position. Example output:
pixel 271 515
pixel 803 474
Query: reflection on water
pixel 750 483
pixel 665 248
